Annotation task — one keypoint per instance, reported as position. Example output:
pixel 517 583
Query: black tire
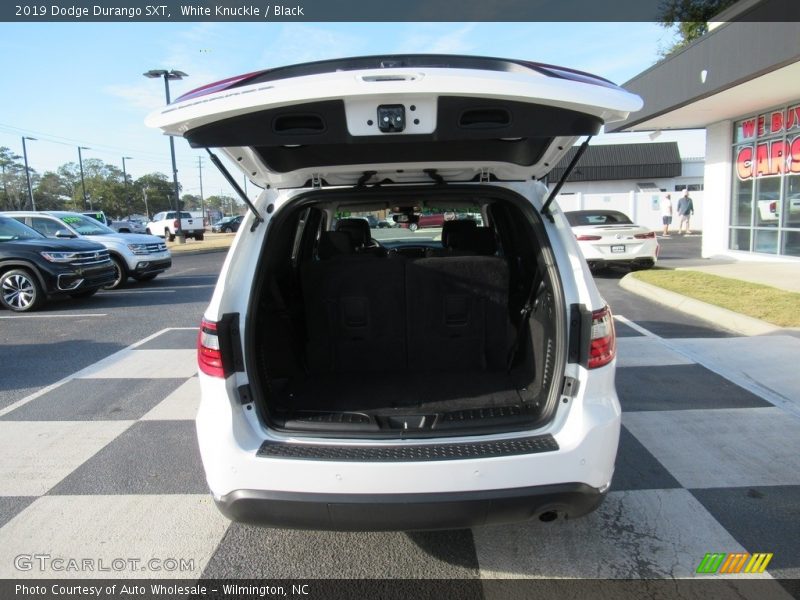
pixel 84 293
pixel 225 230
pixel 121 274
pixel 147 231
pixel 199 237
pixel 169 236
pixel 145 277
pixel 20 290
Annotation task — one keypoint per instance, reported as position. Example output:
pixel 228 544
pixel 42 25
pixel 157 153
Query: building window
pixel 765 199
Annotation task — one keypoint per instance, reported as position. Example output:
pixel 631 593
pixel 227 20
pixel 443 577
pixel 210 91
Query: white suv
pixel 403 378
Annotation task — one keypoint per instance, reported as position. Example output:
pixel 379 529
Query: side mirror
pixel 65 233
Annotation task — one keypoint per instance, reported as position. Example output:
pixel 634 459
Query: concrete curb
pixel 722 317
pixel 198 251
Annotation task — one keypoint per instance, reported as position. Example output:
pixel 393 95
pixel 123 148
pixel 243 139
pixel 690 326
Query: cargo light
pixel 209 355
pixel 603 342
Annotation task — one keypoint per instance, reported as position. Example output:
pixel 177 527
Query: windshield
pixel 85 225
pixel 599 217
pixel 14 230
pixel 428 228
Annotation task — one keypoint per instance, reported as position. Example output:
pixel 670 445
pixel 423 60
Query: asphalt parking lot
pixel 98 455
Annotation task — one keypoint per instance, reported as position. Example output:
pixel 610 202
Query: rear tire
pixel 413 226
pixel 199 237
pixel 169 236
pixel 20 291
pixel 121 272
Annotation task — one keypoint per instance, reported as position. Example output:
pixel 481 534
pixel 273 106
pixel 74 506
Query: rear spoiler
pixel 567 173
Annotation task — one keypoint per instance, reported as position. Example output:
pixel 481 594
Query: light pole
pixel 27 171
pixel 125 177
pixel 83 183
pixel 167 75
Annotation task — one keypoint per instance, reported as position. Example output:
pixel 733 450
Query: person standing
pixel 685 211
pixel 666 213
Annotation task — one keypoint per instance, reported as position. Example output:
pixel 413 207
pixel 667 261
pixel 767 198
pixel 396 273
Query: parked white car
pixel 349 383
pixel 165 224
pixel 609 237
pixel 139 256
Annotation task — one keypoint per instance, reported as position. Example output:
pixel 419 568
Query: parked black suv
pixel 33 267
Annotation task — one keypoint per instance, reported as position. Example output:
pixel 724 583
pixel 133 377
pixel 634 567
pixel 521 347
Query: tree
pixel 224 203
pixel 191 202
pixel 14 185
pixel 52 192
pixel 158 191
pixel 691 18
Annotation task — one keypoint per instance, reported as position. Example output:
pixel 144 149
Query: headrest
pixel 357 229
pixel 334 243
pixel 477 240
pixel 450 227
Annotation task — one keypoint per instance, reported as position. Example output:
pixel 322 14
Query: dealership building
pixel 741 83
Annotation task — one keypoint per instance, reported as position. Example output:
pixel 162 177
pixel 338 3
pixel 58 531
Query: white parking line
pixel 86 370
pixel 733 375
pixel 55 316
pixel 118 292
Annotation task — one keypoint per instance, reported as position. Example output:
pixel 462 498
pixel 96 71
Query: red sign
pixel 772 124
pixel 768 159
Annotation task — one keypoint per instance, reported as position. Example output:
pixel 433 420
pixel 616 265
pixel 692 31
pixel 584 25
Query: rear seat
pixel 458 313
pixel 355 307
pixel 366 313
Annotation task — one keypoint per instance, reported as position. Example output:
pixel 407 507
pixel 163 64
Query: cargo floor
pixel 400 392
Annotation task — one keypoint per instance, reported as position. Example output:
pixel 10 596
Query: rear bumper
pixel 402 512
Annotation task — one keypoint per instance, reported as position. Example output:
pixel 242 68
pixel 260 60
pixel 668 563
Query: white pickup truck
pixel 165 225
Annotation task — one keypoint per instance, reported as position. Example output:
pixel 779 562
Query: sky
pixel 81 84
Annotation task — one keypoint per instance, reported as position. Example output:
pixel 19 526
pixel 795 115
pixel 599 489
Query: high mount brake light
pixel 209 355
pixel 603 342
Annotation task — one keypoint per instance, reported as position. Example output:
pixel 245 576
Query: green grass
pixel 763 302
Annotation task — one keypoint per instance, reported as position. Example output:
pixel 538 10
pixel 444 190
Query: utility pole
pixel 171 75
pixel 27 171
pixel 146 209
pixel 83 183
pixel 202 199
pixel 125 176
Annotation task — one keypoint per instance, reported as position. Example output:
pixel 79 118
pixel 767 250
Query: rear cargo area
pixel 406 339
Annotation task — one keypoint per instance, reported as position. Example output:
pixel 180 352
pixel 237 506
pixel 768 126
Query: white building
pixel 741 83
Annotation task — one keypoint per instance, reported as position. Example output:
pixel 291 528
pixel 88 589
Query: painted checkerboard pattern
pixel 104 464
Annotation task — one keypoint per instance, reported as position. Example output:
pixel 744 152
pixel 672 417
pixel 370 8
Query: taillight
pixel 645 236
pixel 773 207
pixel 209 355
pixel 603 343
pixel 588 238
pixel 176 224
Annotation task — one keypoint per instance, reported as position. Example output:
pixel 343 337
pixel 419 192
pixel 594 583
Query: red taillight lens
pixel 176 224
pixel 209 356
pixel 773 207
pixel 645 236
pixel 603 343
pixel 588 238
